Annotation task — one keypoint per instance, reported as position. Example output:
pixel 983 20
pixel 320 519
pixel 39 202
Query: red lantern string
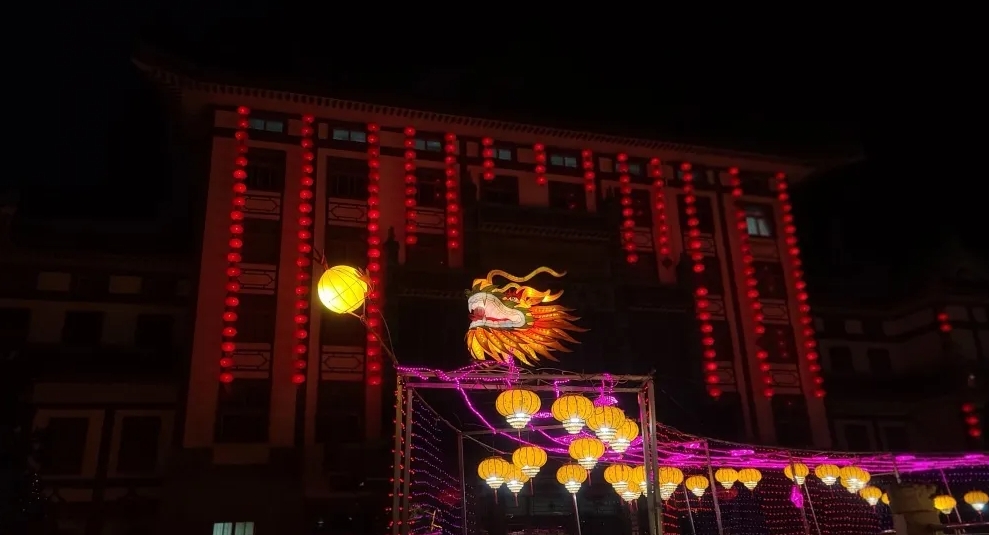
pixel 628 212
pixel 372 306
pixel 700 293
pixel 236 243
pixel 659 207
pixel 751 283
pixel 452 193
pixel 540 152
pixel 587 163
pixel 303 262
pixel 972 420
pixel 944 322
pixel 410 186
pixel 800 286
pixel 488 154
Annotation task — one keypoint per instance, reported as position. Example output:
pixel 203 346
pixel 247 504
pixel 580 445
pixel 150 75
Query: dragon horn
pixel 499 273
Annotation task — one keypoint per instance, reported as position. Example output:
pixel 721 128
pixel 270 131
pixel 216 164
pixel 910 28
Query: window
pixel 154 331
pixel 430 188
pixel 233 528
pixel 265 170
pixel 63 446
pixel 858 436
pixel 561 160
pixel 431 145
pixel 242 411
pixel 635 169
pixel 268 125
pixel 879 361
pixel 14 324
pixel 139 440
pixel 262 241
pixel 346 178
pixel 757 221
pixel 342 134
pixel 791 419
pixel 429 252
pixel 841 359
pixel 770 279
pixel 503 189
pixel 256 318
pixel 567 196
pixel 503 154
pixel 82 327
pixel 779 342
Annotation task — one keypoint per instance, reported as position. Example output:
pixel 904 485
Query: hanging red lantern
pixel 628 211
pixel 372 304
pixel 410 186
pixel 701 302
pixel 539 150
pixel 235 244
pixel 587 164
pixel 659 208
pixel 303 262
pixel 452 183
pixel 487 155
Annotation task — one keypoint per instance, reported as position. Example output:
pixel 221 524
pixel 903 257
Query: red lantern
pixel 628 211
pixel 372 354
pixel 539 150
pixel 304 248
pixel 235 243
pixel 453 216
pixel 659 208
pixel 487 155
pixel 587 164
pixel 701 303
pixel 410 186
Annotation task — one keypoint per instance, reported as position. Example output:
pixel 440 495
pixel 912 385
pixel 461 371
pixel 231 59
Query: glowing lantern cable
pixel 587 164
pixel 693 246
pixel 659 208
pixel 372 310
pixel 539 153
pixel 304 251
pixel 487 159
pixel 628 211
pixel 452 192
pixel 410 186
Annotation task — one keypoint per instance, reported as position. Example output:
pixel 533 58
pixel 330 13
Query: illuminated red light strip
pixel 487 153
pixel 452 192
pixel 303 261
pixel 628 212
pixel 972 420
pixel 800 286
pixel 236 244
pixel 659 207
pixel 539 150
pixel 410 187
pixel 372 305
pixel 751 284
pixel 587 164
pixel 701 292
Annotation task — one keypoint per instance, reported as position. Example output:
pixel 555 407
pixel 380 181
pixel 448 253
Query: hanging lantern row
pixel 574 411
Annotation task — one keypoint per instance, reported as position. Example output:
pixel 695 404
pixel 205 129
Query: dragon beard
pixel 535 341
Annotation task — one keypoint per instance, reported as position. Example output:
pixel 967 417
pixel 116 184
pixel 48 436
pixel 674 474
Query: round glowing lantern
pixel 529 459
pixel 572 410
pixel 342 289
pixel 639 479
pixel 977 499
pixel 854 478
pixel 624 435
pixel 493 471
pixel 884 498
pixel 944 503
pixel 871 494
pixel 586 451
pixel 696 485
pixel 669 478
pixel 571 476
pixel 517 406
pixel 630 495
pixel 604 421
pixel 515 479
pixel 796 472
pixel 619 476
pixel 726 476
pixel 827 473
pixel 749 477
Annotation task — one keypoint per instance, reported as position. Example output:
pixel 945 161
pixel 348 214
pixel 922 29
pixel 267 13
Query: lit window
pixel 429 145
pixel 503 154
pixel 233 528
pixel 635 169
pixel 757 222
pixel 342 134
pixel 266 125
pixel 563 161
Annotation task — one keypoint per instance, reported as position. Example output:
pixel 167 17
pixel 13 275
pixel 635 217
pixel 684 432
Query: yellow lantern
pixel 604 421
pixel 342 289
pixel 854 478
pixel 493 471
pixel 587 451
pixel 796 472
pixel 871 494
pixel 572 410
pixel 750 477
pixel 571 476
pixel 827 473
pixel 726 476
pixel 884 498
pixel 529 459
pixel 977 499
pixel 619 476
pixel 639 479
pixel 944 503
pixel 515 479
pixel 669 478
pixel 624 435
pixel 630 495
pixel 517 406
pixel 696 484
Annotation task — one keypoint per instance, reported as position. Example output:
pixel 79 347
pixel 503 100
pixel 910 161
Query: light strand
pixel 372 306
pixel 701 302
pixel 539 152
pixel 410 186
pixel 453 216
pixel 628 212
pixel 487 156
pixel 398 455
pixel 303 263
pixel 587 164
pixel 659 208
pixel 435 495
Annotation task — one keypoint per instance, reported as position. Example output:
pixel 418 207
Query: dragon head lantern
pixel 515 321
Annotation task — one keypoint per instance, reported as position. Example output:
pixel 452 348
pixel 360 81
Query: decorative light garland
pixel 435 489
pixel 659 208
pixel 487 155
pixel 628 212
pixel 235 244
pixel 372 306
pixel 410 186
pixel 398 454
pixel 452 184
pixel 539 151
pixel 587 164
pixel 304 276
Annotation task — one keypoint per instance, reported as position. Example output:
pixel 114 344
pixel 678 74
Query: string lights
pixel 235 244
pixel 452 192
pixel 628 212
pixel 435 489
pixel 799 286
pixel 659 208
pixel 972 420
pixel 539 151
pixel 487 155
pixel 587 164
pixel 410 186
pixel 399 462
pixel 372 305
pixel 304 249
pixel 944 322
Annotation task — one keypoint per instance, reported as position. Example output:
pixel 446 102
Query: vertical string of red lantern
pixel 751 283
pixel 659 207
pixel 487 154
pixel 700 293
pixel 799 286
pixel 304 262
pixel 539 150
pixel 410 186
pixel 969 415
pixel 628 212
pixel 235 244
pixel 372 305
pixel 587 164
pixel 943 322
pixel 452 192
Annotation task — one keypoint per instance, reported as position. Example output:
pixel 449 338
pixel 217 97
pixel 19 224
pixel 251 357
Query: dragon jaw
pixel 488 310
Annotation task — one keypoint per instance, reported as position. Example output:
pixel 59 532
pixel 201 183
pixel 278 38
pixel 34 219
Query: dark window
pixel 646 269
pixel 431 145
pixel 346 246
pixel 710 278
pixel 139 441
pixel 346 178
pixel 14 324
pixel 431 188
pixel 896 438
pixel 87 286
pixel 64 446
pixel 567 196
pixel 771 280
pixel 779 343
pixel 154 331
pixel 340 411
pixel 256 318
pixel 242 411
pixel 268 125
pixel 563 160
pixel 428 253
pixel 758 220
pixel 503 154
pixel 343 134
pixel 704 214
pixel 83 327
pixel 723 345
pixel 635 169
pixel 879 361
pixel 159 287
pixel 857 437
pixel 265 170
pixel 791 419
pixel 503 189
pixel 262 241
pixel 841 359
pixel 642 208
pixel 873 328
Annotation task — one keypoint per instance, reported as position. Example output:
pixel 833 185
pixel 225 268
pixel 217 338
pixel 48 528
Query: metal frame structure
pixel 499 379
